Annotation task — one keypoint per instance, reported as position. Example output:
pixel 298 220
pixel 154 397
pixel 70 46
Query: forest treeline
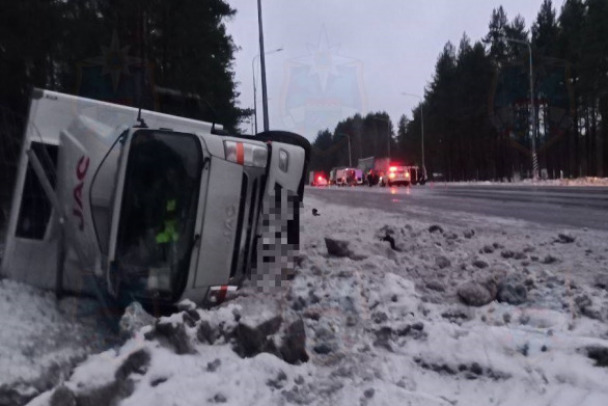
pixel 95 48
pixel 476 109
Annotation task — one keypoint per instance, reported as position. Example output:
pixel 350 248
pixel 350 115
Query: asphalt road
pixel 572 207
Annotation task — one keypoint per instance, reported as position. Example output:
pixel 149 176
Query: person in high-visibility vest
pixel 167 234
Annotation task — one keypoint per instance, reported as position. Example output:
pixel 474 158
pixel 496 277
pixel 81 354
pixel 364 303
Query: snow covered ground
pixel 584 181
pixel 42 339
pixel 383 326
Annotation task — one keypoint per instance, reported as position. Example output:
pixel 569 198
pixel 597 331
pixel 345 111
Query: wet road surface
pixel 574 207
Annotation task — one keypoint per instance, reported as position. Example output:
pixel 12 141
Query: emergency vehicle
pixel 347 176
pixel 317 178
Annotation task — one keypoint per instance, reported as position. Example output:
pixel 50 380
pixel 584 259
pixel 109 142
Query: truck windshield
pixel 156 229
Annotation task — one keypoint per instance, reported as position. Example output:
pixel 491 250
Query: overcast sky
pixel 341 57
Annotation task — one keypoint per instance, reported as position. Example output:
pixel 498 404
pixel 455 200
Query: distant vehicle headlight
pixel 247 154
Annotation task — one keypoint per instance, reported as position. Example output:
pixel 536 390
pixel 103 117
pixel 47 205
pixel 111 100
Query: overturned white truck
pixel 140 205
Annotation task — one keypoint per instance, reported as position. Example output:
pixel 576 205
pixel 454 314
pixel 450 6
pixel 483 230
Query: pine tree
pixel 495 39
pixel 516 29
pixel 186 41
pixel 545 30
pixel 594 84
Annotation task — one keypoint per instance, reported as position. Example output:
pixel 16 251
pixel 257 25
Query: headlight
pixel 283 160
pixel 244 153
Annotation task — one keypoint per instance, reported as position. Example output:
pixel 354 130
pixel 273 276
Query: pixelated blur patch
pixel 277 245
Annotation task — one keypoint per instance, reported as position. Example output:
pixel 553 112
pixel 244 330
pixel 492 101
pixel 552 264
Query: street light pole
pixel 388 133
pixel 263 67
pixel 422 139
pixel 255 110
pixel 532 107
pixel 350 159
pixel 421 129
pixel 350 155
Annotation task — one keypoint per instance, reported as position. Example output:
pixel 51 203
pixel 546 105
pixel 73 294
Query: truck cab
pixel 155 209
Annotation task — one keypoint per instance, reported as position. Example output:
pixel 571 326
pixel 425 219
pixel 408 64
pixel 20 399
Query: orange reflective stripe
pixel 240 153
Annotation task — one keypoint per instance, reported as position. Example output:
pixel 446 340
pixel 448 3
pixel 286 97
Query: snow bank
pixel 584 181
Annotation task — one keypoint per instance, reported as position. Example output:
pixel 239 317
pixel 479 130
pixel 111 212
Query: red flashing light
pixel 392 169
pixel 320 178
